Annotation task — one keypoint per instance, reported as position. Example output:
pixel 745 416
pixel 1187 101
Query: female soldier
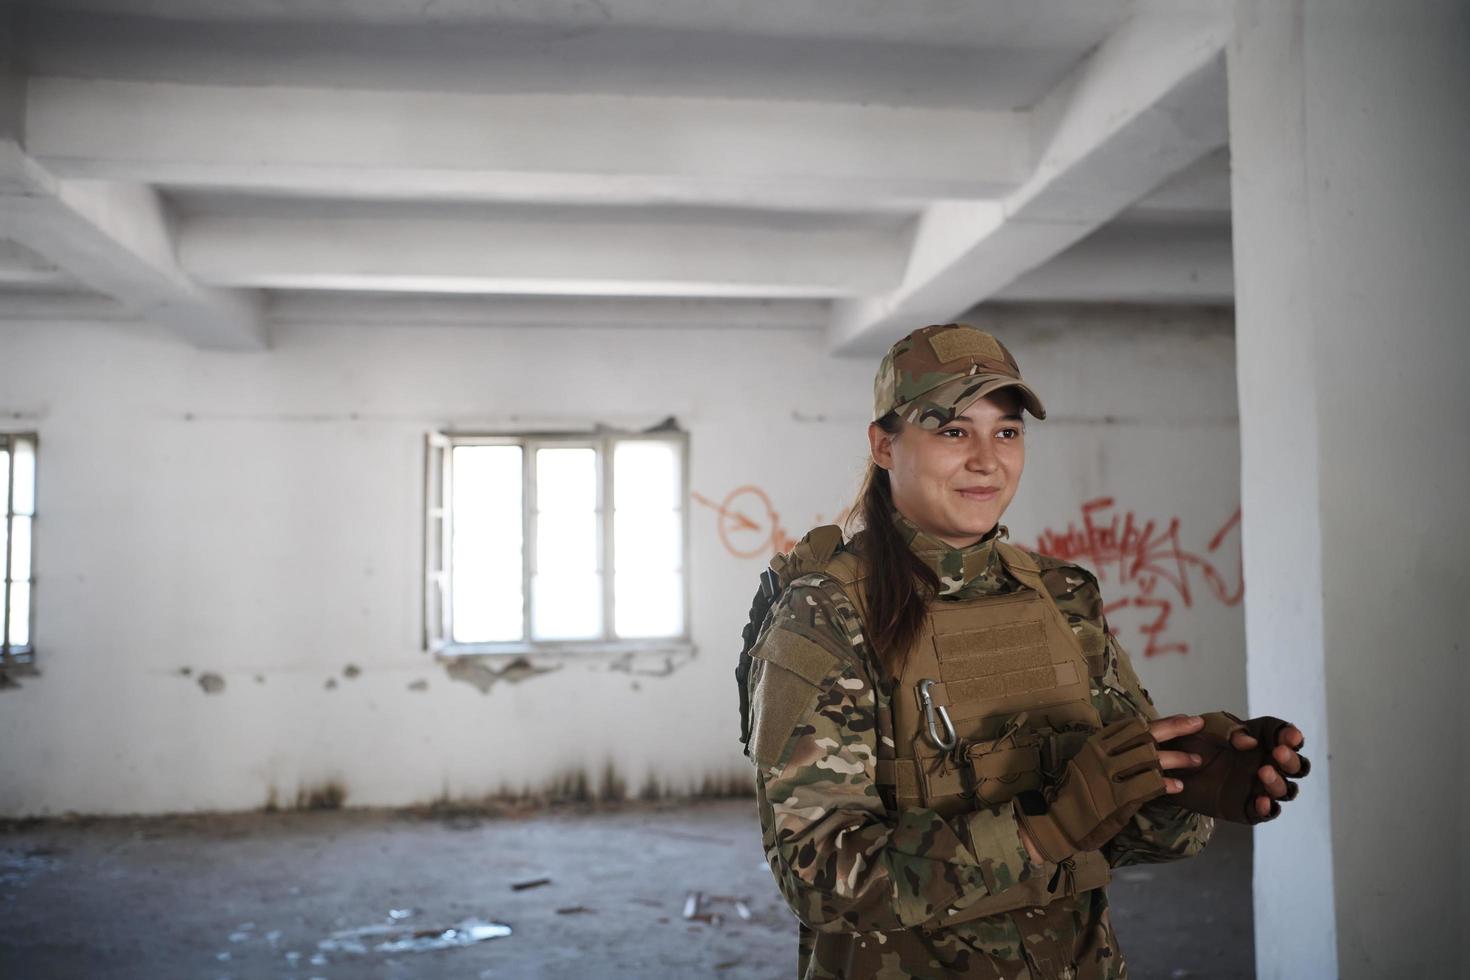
pixel 952 748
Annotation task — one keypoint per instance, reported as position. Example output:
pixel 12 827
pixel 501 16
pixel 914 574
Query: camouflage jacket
pixel 865 882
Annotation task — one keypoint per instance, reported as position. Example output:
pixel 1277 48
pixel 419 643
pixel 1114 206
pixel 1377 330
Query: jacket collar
pixel 962 572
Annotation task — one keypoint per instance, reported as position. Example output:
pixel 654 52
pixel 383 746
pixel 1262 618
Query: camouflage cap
pixel 935 373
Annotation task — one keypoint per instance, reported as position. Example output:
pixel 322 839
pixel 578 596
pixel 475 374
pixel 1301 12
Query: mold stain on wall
pixel 581 788
pixel 330 795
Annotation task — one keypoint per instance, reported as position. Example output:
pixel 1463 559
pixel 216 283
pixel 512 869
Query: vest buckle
pixel 949 741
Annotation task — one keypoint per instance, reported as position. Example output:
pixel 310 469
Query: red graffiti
pixel 1140 555
pixel 749 525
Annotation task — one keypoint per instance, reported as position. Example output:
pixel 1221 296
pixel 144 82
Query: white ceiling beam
pixel 116 239
pixel 575 148
pixel 1126 263
pixel 308 308
pixel 572 256
pixel 1148 103
pixel 32 305
pixel 722 55
pixel 113 238
pixel 19 266
pixel 976 23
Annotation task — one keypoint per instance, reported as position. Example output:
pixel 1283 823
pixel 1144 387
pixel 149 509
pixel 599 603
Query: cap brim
pixel 1029 399
pixel 945 401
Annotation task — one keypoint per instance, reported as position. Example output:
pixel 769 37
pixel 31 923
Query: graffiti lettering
pixel 1140 556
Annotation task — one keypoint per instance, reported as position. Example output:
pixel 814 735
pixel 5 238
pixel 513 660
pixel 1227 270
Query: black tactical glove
pixel 1116 772
pixel 1227 783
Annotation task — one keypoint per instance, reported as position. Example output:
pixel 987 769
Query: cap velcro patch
pixel 953 344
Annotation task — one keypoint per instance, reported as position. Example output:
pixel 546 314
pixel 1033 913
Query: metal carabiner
pixel 949 741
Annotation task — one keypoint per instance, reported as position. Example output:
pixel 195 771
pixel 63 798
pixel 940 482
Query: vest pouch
pixel 1003 768
pixel 988 773
pixel 941 782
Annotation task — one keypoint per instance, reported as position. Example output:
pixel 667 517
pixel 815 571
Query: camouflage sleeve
pixel 1160 831
pixel 843 862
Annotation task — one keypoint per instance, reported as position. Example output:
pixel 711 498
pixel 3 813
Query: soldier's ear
pixel 880 445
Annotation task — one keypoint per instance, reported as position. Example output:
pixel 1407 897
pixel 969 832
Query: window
pixel 18 473
pixel 556 542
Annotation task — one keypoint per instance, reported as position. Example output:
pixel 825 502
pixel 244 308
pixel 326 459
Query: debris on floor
pixel 696 907
pixel 465 933
pixel 396 938
pixel 20 866
pixel 520 886
pixel 78 893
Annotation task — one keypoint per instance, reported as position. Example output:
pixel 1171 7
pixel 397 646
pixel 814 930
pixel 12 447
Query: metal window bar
pixel 9 445
pixel 436 517
pixel 606 501
pixel 528 534
pixel 23 653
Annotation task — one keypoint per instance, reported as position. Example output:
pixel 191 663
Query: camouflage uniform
pixel 865 881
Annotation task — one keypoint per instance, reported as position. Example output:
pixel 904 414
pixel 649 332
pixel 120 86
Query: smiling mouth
pixel 979 493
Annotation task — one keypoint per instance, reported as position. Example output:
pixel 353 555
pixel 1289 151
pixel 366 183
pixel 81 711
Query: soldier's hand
pixel 1286 755
pixel 1172 727
pixel 1114 773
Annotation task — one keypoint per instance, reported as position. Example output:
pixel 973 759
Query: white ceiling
pixel 859 166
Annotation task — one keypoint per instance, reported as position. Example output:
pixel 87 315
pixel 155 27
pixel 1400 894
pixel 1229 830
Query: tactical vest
pixel 993 699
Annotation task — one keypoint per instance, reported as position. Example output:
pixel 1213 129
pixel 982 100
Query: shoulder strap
pixel 818 546
pixel 1020 564
pixel 849 571
pixel 846 568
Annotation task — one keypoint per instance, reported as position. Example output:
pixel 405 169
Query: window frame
pixel 438 633
pixel 21 656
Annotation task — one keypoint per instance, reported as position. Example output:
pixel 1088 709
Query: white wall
pixel 258 516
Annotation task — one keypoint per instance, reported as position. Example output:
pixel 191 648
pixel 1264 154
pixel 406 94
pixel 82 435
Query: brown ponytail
pixel 898 585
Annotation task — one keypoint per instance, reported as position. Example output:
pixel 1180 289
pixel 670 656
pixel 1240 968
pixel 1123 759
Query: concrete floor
pixel 257 895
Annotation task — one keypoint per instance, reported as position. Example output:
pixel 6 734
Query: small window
pixel 18 470
pixel 555 542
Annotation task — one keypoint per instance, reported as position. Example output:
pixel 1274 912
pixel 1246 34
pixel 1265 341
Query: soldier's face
pixel 956 482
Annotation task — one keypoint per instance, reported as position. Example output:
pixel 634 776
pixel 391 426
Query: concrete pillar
pixel 1350 138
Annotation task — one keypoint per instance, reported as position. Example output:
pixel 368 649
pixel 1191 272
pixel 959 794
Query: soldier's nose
pixel 982 461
